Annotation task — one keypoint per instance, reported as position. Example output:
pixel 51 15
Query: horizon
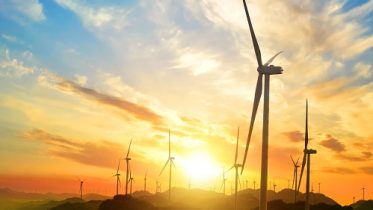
pixel 80 79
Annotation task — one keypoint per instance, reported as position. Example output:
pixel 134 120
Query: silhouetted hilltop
pixel 363 205
pixel 90 205
pixel 125 202
pixel 47 204
pixel 287 195
pixel 281 205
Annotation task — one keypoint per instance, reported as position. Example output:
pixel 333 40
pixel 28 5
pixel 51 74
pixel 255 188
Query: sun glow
pixel 201 168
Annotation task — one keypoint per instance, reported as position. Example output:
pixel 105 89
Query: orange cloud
pixel 102 154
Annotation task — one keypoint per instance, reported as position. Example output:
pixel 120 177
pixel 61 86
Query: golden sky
pixel 79 80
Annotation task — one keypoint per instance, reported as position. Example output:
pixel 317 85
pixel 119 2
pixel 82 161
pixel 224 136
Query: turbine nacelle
pixel 271 69
pixel 310 151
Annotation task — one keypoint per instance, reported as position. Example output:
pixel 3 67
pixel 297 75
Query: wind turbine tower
pixel 170 161
pixel 146 173
pixel 266 70
pixel 236 166
pixel 295 177
pixel 306 159
pixel 81 189
pixel 128 166
pixel 363 189
pixel 118 179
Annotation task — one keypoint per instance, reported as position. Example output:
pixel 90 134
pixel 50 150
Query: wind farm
pixel 149 102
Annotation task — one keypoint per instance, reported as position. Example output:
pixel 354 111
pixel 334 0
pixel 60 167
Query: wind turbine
pixel 131 180
pixel 295 178
pixel 266 70
pixel 306 159
pixel 118 179
pixel 254 184
pixel 274 187
pixel 363 189
pixel 170 161
pixel 146 173
pixel 127 158
pixel 319 187
pixel 223 182
pixel 81 189
pixel 236 166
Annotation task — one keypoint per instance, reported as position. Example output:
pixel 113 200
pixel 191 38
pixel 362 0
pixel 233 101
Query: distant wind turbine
pixel 306 154
pixel 170 161
pixel 146 173
pixel 266 70
pixel 81 189
pixel 295 178
pixel 118 179
pixel 236 166
pixel 127 159
pixel 223 182
pixel 319 187
pixel 254 184
pixel 274 187
pixel 131 180
pixel 363 189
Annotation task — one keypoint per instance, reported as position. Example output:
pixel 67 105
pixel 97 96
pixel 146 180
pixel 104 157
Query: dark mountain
pixel 287 195
pixel 363 205
pixel 125 202
pixel 281 205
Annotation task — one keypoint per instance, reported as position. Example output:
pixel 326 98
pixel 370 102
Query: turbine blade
pixel 273 58
pixel 292 159
pixel 302 169
pixel 118 166
pixel 306 132
pixel 238 136
pixel 164 166
pixel 173 164
pixel 253 37
pixel 258 94
pixel 230 169
pixel 129 147
pixel 169 143
pixel 296 163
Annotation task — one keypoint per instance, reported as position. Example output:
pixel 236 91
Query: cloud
pixel 197 61
pixel 339 170
pixel 294 136
pixel 9 37
pixel 31 9
pixel 367 170
pixel 333 144
pixel 364 70
pixel 11 67
pixel 351 157
pixel 101 17
pixel 100 153
pixel 81 79
pixel 138 111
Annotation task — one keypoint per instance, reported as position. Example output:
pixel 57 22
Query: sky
pixel 80 79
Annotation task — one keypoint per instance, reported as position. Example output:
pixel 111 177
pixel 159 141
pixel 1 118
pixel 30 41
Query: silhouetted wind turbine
pixel 81 189
pixel 254 184
pixel 274 187
pixel 118 179
pixel 146 173
pixel 236 166
pixel 131 180
pixel 319 187
pixel 306 154
pixel 170 161
pixel 363 189
pixel 295 178
pixel 127 165
pixel 223 182
pixel 267 70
